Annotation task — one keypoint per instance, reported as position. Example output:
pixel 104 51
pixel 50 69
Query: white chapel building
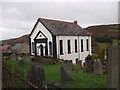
pixel 60 39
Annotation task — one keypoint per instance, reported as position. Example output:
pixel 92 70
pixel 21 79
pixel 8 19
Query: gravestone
pixel 65 72
pixel 98 69
pixel 89 64
pixel 13 56
pixel 113 73
pixel 79 63
pixel 69 65
pixel 21 63
pixel 37 75
pixel 26 58
pixel 19 58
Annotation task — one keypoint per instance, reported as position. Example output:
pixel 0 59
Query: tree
pixel 101 52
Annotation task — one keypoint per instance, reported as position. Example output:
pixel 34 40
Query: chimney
pixel 75 21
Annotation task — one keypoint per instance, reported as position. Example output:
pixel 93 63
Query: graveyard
pixel 79 79
pixel 25 71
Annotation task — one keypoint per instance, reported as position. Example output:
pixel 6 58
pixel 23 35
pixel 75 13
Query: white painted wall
pixel 40 27
pixel 73 56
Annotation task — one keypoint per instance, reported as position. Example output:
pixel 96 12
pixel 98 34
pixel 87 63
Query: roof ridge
pixel 56 20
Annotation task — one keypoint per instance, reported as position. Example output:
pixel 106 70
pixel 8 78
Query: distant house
pixel 6 48
pixel 21 48
pixel 60 39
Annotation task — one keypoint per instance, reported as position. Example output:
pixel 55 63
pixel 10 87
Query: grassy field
pixel 79 79
pixel 114 41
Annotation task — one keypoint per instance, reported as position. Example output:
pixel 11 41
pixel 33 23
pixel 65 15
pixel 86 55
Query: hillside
pixel 16 40
pixel 111 31
pixel 100 30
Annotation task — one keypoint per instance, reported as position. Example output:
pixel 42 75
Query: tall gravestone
pixel 89 64
pixel 65 72
pixel 98 69
pixel 69 65
pixel 112 66
pixel 13 56
pixel 37 75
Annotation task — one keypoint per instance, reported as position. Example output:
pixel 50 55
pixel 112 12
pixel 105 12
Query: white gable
pixel 40 36
pixel 40 28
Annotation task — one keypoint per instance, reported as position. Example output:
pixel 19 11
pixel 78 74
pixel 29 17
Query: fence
pixel 13 78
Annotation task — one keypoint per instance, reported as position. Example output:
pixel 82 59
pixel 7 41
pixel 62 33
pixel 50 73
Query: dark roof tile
pixel 63 28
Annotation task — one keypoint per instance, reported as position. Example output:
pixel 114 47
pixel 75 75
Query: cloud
pixel 21 16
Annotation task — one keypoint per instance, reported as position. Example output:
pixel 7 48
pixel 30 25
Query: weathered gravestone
pixel 112 67
pixel 98 69
pixel 65 72
pixel 19 58
pixel 37 75
pixel 79 64
pixel 13 56
pixel 69 65
pixel 21 63
pixel 26 58
pixel 89 64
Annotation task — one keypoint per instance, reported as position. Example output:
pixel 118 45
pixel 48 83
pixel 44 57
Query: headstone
pixel 69 65
pixel 89 64
pixel 21 63
pixel 26 58
pixel 13 56
pixel 19 58
pixel 79 63
pixel 98 69
pixel 65 73
pixel 37 75
pixel 113 62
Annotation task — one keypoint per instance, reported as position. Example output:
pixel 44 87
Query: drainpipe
pixel 78 49
pixel 58 47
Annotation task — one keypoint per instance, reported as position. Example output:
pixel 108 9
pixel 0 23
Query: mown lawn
pixel 79 79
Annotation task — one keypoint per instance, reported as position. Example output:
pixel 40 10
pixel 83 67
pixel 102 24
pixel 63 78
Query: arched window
pixel 50 47
pixel 33 48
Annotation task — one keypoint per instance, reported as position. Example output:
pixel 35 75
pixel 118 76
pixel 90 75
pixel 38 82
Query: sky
pixel 19 17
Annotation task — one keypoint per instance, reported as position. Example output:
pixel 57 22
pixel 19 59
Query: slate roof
pixel 18 46
pixel 62 28
pixel 5 47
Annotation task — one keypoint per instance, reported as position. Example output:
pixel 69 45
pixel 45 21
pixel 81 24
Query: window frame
pixel 76 46
pixel 61 47
pixel 82 45
pixel 69 46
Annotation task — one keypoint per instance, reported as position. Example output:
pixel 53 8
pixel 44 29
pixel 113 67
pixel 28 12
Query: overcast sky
pixel 18 18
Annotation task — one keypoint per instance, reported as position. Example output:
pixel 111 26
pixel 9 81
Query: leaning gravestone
pixel 113 62
pixel 65 73
pixel 98 67
pixel 79 63
pixel 37 75
pixel 13 56
pixel 88 64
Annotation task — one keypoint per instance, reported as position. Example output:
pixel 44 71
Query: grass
pixel 115 41
pixel 15 64
pixel 113 30
pixel 102 44
pixel 79 79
